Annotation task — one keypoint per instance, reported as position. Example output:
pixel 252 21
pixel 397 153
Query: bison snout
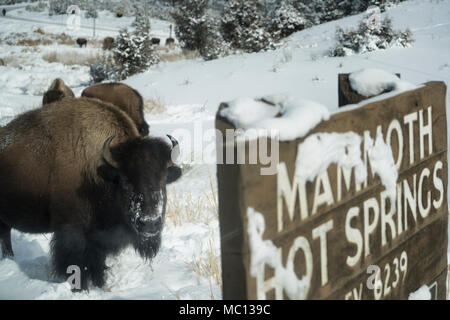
pixel 149 227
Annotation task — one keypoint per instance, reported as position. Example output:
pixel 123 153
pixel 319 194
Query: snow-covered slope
pixel 191 91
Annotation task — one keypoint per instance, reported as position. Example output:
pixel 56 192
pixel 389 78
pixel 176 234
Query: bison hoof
pixel 6 254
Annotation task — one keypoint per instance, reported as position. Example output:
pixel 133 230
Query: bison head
pixel 138 171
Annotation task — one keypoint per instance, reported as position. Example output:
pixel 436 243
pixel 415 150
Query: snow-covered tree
pixel 196 30
pixel 371 35
pixel 133 53
pixel 287 20
pixel 58 6
pixel 191 23
pixel 244 26
pixel 142 20
pixel 103 69
pixel 213 45
pixel 91 11
pixel 325 10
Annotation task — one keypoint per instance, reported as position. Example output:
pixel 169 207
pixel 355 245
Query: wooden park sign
pixel 334 237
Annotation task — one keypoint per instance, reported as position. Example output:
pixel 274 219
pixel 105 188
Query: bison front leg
pixel 5 240
pixel 96 258
pixel 77 259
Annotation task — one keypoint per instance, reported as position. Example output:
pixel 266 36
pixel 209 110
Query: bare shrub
pixel 170 55
pixel 155 105
pixel 188 208
pixel 208 265
pixel 70 58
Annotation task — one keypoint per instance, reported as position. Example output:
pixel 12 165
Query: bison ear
pixel 144 129
pixel 109 173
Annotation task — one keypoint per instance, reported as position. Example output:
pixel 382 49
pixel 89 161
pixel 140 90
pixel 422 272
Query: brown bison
pixel 123 96
pixel 108 43
pixel 170 42
pixel 57 91
pixel 82 171
pixel 155 41
pixel 119 14
pixel 82 42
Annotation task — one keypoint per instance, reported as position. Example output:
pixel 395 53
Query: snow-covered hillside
pixel 188 93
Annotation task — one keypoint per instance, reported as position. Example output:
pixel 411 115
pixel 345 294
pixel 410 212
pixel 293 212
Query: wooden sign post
pixel 345 93
pixel 334 238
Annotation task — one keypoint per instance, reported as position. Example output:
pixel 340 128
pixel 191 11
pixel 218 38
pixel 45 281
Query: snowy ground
pixel 191 91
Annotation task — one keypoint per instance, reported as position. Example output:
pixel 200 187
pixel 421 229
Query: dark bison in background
pixel 123 96
pixel 57 91
pixel 4 12
pixel 82 42
pixel 108 43
pixel 170 42
pixel 155 41
pixel 82 171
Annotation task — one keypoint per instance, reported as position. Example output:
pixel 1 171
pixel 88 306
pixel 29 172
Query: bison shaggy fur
pixel 82 171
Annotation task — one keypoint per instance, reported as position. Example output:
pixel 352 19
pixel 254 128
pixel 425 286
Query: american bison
pixel 108 43
pixel 82 42
pixel 155 41
pixel 57 91
pixel 119 14
pixel 170 42
pixel 4 12
pixel 123 96
pixel 82 171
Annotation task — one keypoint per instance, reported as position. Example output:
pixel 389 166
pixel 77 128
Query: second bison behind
pixel 123 96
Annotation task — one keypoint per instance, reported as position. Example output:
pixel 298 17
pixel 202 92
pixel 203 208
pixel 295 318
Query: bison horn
pixel 175 151
pixel 106 153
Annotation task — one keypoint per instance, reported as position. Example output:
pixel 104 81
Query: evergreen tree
pixel 142 21
pixel 244 26
pixel 58 7
pixel 287 20
pixel 326 10
pixel 196 30
pixel 370 35
pixel 133 53
pixel 103 69
pixel 191 23
pixel 91 11
pixel 213 45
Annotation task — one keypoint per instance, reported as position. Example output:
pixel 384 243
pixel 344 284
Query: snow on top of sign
pixel 371 82
pixel 423 293
pixel 317 152
pixel 291 118
pixel 383 164
pixel 264 252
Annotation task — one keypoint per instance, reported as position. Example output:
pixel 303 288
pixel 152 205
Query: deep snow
pixel 192 91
